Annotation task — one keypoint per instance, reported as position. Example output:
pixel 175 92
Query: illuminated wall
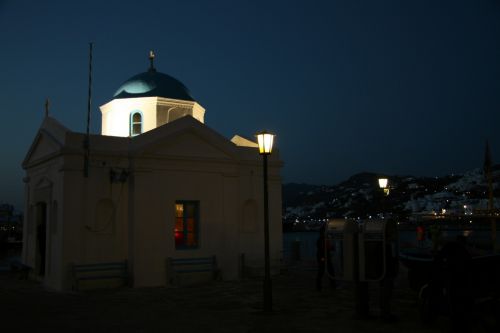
pixel 127 211
pixel 156 111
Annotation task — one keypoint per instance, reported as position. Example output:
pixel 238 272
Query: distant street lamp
pixel 382 183
pixel 265 141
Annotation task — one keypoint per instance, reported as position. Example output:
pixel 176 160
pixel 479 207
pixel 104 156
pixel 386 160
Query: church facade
pixel 159 184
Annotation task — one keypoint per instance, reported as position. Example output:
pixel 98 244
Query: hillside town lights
pixel 265 141
pixel 382 183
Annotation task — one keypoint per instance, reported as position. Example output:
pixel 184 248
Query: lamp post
pixel 265 141
pixel 382 183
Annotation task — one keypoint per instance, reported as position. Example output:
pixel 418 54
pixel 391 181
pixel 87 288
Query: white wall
pixel 116 115
pixel 193 165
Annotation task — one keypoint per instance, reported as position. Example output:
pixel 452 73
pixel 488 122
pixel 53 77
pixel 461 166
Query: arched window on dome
pixel 135 123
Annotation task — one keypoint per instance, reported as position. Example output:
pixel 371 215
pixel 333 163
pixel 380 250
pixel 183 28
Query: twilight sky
pixel 396 87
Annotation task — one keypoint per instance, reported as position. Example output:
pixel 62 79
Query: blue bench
pixel 101 271
pixel 176 267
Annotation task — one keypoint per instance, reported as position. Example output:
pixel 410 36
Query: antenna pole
pixel 86 143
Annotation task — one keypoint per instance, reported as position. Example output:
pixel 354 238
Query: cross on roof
pixel 151 59
pixel 47 104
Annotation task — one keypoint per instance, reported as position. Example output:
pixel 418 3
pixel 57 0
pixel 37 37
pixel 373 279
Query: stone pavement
pixel 215 307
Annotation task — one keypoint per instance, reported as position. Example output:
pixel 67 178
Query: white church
pixel 160 184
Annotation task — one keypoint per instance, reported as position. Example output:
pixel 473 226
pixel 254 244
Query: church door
pixel 41 236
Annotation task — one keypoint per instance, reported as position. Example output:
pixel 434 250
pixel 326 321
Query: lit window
pixel 135 123
pixel 186 224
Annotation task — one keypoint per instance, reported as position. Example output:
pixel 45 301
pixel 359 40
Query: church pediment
pixel 48 141
pixel 43 183
pixel 188 144
pixel 185 137
pixel 43 147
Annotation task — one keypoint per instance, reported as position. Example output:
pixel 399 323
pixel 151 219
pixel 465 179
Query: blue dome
pixel 153 84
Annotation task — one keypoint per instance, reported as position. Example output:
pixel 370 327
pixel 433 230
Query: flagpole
pixel 86 143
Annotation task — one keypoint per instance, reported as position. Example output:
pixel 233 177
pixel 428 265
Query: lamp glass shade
pixel 265 141
pixel 382 182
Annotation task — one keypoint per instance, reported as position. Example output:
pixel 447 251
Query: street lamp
pixel 265 141
pixel 382 183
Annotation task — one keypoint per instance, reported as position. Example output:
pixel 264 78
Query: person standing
pixel 435 233
pixel 323 247
pixel 420 235
pixel 392 269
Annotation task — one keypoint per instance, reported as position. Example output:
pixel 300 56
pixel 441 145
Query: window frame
pixel 196 217
pixel 132 123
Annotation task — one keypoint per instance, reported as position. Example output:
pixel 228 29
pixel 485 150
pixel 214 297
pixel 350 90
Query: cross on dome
pixel 151 59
